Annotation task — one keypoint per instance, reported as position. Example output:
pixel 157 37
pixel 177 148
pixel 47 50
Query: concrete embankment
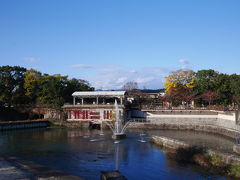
pixel 14 168
pixel 71 124
pixel 203 128
pixel 11 125
pixel 225 163
pixel 224 123
pixel 78 124
pixel 173 144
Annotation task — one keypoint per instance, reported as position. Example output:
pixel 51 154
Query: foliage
pixel 210 96
pixel 223 89
pixel 216 160
pixel 180 78
pixel 129 86
pixel 179 85
pixel 235 88
pixel 206 80
pixel 75 85
pixel 52 90
pixel 29 87
pixel 32 84
pixel 204 87
pixel 11 85
pixel 234 170
pixel 180 94
pixel 138 96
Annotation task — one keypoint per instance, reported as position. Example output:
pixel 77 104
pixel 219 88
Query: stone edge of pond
pixel 230 133
pixel 227 164
pixel 31 170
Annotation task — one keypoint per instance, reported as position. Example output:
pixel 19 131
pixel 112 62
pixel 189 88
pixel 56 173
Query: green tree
pixel 11 85
pixel 75 85
pixel 223 89
pixel 206 81
pixel 235 89
pixel 52 90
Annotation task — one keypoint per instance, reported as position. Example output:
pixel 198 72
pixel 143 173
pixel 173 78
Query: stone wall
pixel 201 121
pixel 209 121
pixel 72 124
pixel 23 124
pixel 175 145
pixel 204 128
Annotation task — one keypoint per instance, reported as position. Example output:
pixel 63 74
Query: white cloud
pixel 184 67
pixel 82 66
pixel 31 59
pixel 121 79
pixel 183 61
pixel 133 71
pixel 142 80
pixel 184 64
pixel 114 77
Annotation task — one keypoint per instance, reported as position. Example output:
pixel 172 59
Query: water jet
pixel 119 126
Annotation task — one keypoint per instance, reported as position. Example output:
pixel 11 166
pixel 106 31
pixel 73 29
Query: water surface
pixel 86 153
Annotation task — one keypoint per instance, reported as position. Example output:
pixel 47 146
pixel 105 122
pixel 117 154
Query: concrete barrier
pixel 176 144
pixel 224 123
pixel 11 125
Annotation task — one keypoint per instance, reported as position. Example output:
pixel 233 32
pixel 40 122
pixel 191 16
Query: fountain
pixel 119 126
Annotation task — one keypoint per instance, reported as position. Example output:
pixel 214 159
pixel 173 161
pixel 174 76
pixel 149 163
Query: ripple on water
pixel 86 156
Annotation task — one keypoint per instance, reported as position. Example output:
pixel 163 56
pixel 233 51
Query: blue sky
pixel 111 42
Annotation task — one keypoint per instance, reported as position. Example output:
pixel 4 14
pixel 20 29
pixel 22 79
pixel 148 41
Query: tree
pixel 178 95
pixel 235 89
pixel 75 85
pixel 52 90
pixel 32 83
pixel 11 85
pixel 179 87
pixel 210 96
pixel 223 89
pixel 206 81
pixel 131 85
pixel 180 78
pixel 187 95
pixel 172 97
pixel 57 89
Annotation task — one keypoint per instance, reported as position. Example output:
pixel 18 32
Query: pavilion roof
pixel 99 93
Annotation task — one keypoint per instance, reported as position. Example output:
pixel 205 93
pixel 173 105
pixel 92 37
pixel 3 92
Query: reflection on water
pixel 86 153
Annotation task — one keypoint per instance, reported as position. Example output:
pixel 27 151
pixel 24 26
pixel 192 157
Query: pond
pixel 85 153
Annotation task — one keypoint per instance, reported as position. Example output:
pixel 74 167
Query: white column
pixel 82 100
pixel 74 100
pixel 101 114
pixel 121 100
pixel 97 100
pixel 69 114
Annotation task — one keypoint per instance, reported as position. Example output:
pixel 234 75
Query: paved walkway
pixel 12 168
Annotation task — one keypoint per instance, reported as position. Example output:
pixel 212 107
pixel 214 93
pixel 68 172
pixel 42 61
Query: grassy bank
pixel 221 163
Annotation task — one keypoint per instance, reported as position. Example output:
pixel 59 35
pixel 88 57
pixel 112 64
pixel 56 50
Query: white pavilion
pixel 95 106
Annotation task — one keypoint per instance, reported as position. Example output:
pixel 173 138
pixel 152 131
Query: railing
pixel 90 105
pixel 139 120
pixel 216 108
